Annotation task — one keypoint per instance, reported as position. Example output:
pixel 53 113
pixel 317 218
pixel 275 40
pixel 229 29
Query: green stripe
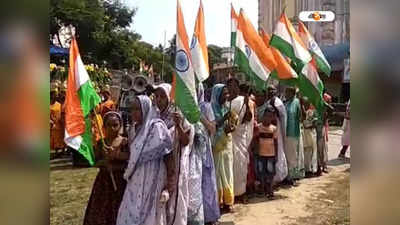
pixel 322 65
pixel 89 98
pixel 306 88
pixel 185 101
pixel 286 49
pixel 283 46
pixel 243 62
pixel 233 39
pixel 86 148
pixel 320 87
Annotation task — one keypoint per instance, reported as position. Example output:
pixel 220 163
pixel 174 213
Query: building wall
pixel 270 10
pixel 329 33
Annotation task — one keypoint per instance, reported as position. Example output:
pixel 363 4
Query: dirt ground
pixel 321 201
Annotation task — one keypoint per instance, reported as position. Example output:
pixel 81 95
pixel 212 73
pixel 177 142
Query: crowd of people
pixel 168 171
pixel 57 117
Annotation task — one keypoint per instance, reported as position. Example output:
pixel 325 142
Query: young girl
pixel 267 150
pixel 104 201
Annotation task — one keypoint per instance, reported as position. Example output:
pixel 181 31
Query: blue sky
pixel 156 16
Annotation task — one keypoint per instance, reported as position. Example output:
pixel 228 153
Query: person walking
pixel 346 132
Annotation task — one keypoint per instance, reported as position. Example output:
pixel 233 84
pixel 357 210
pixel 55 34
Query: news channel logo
pixel 317 16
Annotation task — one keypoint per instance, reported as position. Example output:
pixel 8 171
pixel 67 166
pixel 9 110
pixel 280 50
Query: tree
pixel 169 66
pixel 170 51
pixel 214 55
pixel 102 28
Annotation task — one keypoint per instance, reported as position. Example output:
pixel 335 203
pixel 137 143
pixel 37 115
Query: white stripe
pixel 312 75
pixel 81 75
pixel 188 76
pixel 233 25
pixel 73 142
pixel 313 46
pixel 299 51
pixel 282 32
pixel 199 65
pixel 255 64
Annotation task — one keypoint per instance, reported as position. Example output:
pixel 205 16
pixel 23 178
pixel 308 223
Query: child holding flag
pixel 104 201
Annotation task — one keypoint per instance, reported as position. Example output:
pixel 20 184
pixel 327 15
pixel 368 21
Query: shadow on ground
pixel 338 162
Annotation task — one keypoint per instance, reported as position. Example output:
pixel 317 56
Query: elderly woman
pixel 146 171
pixel 178 160
pixel 203 204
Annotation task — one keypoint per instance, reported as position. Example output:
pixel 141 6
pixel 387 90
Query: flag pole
pixel 163 52
pixel 230 51
pixel 104 144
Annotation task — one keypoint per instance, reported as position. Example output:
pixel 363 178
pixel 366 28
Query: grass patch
pixel 69 194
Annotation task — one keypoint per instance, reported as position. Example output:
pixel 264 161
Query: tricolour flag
pixel 286 40
pixel 311 85
pixel 185 89
pixel 322 63
pixel 251 55
pixel 81 98
pixel 234 23
pixel 284 70
pixel 199 48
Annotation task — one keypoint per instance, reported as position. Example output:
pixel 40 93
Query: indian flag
pixel 185 87
pixel 286 40
pixel 322 63
pixel 199 48
pixel 81 98
pixel 284 70
pixel 234 22
pixel 311 85
pixel 251 55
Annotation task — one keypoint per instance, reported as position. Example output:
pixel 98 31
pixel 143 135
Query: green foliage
pixel 214 55
pixel 102 29
pixel 105 36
